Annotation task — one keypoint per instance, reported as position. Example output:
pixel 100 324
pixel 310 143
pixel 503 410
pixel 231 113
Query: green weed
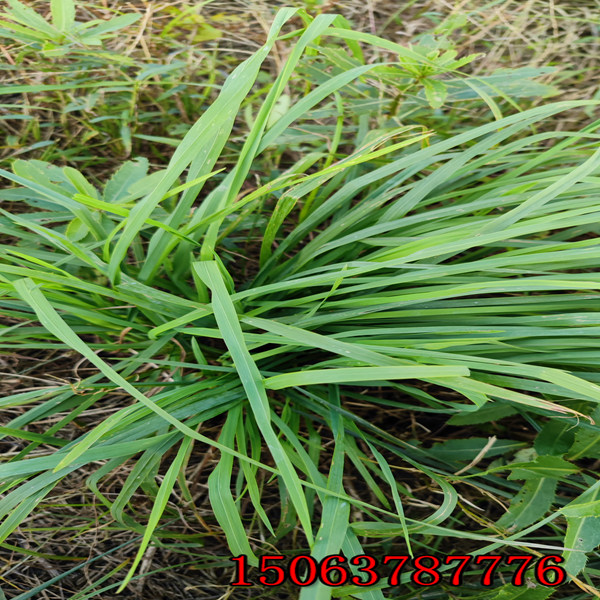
pixel 291 324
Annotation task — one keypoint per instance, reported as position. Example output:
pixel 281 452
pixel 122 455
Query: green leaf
pixel 281 107
pixel 63 14
pixel 555 438
pixel 221 498
pixel 76 230
pixel 335 515
pixel 130 173
pixel 490 412
pixel 544 196
pixel 52 321
pixel 542 466
pixel 79 182
pixel 450 23
pixel 31 19
pixel 360 375
pixel 587 439
pixel 468 448
pixel 390 480
pixel 158 507
pixel 250 471
pixel 251 379
pixel 530 504
pixel 583 533
pixel 435 92
pixel 202 144
pixel 125 132
pixel 530 591
pixel 583 509
pixel 110 25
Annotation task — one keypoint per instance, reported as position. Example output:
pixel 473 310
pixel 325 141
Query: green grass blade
pixel 252 381
pixel 222 501
pixel 361 375
pixel 166 487
pixel 63 14
pixel 205 139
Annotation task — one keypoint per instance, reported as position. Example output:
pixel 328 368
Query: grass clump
pixel 89 86
pixel 86 85
pixel 385 346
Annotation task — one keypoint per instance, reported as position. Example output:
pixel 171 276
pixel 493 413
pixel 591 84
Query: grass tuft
pixel 344 330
